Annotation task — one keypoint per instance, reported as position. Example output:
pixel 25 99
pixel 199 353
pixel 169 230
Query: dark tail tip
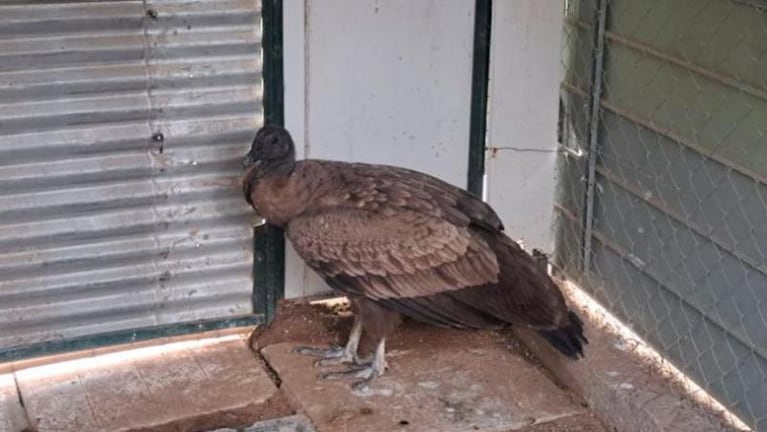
pixel 568 340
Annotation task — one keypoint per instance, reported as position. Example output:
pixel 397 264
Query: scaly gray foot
pixel 335 355
pixel 367 372
pixel 334 351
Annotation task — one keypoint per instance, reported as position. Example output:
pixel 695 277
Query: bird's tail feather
pixel 568 340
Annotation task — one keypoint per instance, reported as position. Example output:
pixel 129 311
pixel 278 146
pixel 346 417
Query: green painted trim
pixel 269 241
pixel 124 337
pixel 268 269
pixel 479 87
pixel 274 78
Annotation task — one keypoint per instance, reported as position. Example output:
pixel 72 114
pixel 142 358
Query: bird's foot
pixel 366 371
pixel 334 355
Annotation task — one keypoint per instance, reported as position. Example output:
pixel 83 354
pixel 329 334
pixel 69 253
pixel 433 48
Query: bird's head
pixel 272 152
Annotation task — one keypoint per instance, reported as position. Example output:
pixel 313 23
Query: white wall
pixel 384 81
pixel 522 122
pixel 389 81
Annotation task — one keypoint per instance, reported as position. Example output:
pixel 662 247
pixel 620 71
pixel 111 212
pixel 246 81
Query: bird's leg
pixel 335 354
pixel 367 372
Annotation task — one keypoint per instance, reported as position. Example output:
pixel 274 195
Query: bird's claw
pixel 365 370
pixel 357 371
pixel 333 356
pixel 325 362
pixel 334 351
pixel 363 384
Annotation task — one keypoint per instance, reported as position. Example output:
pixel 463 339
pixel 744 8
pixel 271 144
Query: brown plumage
pixel 397 241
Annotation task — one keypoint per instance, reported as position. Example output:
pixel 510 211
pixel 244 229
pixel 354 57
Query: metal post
pixel 268 240
pixel 595 108
pixel 479 86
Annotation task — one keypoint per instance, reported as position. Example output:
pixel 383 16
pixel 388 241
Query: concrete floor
pixel 447 390
pixel 174 388
pixel 439 380
pixel 441 387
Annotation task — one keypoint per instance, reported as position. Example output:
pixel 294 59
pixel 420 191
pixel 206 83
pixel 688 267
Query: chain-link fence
pixel 662 201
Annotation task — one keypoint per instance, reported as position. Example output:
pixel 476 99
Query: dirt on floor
pixel 330 322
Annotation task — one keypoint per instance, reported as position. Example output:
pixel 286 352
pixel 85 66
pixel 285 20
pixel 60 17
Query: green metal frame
pixel 123 337
pixel 268 240
pixel 479 88
pixel 269 243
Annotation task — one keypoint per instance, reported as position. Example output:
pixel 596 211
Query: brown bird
pixel 399 242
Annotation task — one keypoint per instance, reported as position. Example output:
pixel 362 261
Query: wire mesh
pixel 662 197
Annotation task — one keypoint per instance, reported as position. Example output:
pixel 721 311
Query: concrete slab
pixel 56 403
pixel 164 390
pixel 12 415
pixel 440 390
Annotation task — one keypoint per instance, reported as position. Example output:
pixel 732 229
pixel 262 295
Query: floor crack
pixel 29 427
pixel 273 375
pixel 256 350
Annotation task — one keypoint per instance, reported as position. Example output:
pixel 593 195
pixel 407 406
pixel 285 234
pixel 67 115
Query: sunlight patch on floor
pixel 631 341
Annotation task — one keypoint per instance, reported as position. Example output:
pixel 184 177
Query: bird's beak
pixel 248 162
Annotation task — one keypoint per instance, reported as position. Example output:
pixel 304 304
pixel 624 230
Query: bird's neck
pixel 277 196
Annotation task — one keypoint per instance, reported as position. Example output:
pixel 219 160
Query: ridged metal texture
pixel 122 124
pixel 679 233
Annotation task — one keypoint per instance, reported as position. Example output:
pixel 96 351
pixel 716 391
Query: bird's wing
pixel 400 254
pixel 424 248
pixel 396 186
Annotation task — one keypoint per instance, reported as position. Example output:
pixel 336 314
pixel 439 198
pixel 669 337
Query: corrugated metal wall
pixel 679 213
pixel 122 124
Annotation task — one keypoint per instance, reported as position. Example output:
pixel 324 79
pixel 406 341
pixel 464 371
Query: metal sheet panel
pixel 121 128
